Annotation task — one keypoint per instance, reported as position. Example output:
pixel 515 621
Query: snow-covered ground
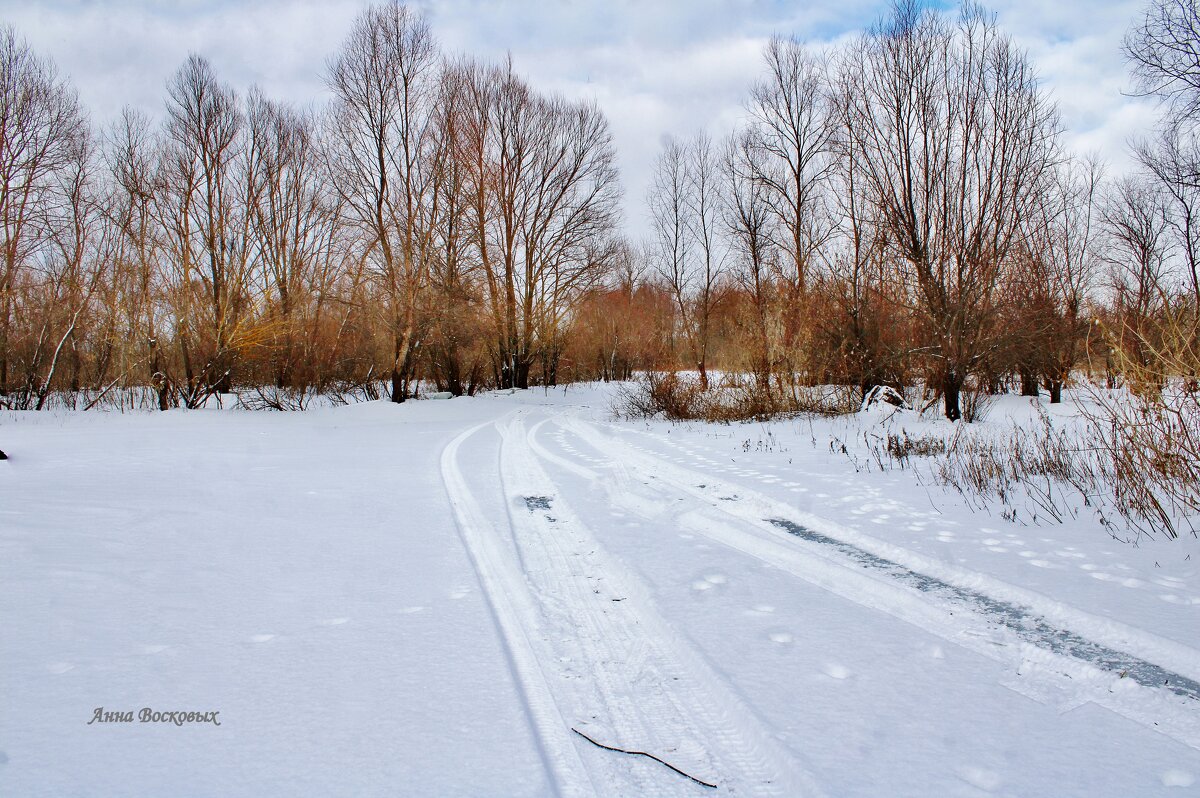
pixel 428 599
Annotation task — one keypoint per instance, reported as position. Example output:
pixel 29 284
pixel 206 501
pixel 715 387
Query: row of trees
pixel 900 209
pixel 439 218
pixel 903 209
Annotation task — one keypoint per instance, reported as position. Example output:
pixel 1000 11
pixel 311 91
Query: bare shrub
pixel 903 446
pixel 736 398
pixel 976 401
pixel 1150 433
pixel 1044 471
pixel 657 393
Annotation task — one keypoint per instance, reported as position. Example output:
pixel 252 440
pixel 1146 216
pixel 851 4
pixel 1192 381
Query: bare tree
pixel 295 235
pixel 1164 51
pixel 957 143
pixel 385 82
pixel 454 348
pixel 1050 280
pixel 792 129
pixel 1135 221
pixel 748 215
pixel 205 215
pixel 861 287
pixel 135 155
pixel 685 203
pixel 70 273
pixel 41 133
pixel 543 185
pixel 1170 160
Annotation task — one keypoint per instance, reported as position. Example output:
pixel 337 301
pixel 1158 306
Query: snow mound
pixel 884 395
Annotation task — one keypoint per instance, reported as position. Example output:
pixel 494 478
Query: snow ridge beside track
pixel 509 597
pixel 1063 654
pixel 648 688
pixel 589 650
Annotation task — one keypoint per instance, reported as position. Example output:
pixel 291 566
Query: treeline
pixel 439 219
pixel 898 210
pixel 902 211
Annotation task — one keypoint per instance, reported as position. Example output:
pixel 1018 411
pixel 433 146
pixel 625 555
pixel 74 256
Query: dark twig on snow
pixel 643 753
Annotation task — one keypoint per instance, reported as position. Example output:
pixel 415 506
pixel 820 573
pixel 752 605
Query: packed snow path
pixel 586 646
pixel 429 599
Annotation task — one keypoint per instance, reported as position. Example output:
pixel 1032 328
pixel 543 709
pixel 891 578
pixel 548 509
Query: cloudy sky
pixel 656 67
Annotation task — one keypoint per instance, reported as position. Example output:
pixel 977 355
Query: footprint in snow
pixel 763 608
pixel 986 780
pixel 709 581
pixel 1177 778
pixel 459 592
pixel 780 637
pixel 1171 598
pixel 835 671
pixel 333 621
pixel 263 638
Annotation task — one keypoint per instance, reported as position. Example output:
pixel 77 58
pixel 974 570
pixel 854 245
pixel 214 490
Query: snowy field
pixel 428 599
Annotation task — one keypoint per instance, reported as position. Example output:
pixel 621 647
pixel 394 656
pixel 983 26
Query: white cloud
pixel 1077 50
pixel 655 67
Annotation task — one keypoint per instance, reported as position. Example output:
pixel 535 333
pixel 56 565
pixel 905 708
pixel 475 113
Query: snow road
pixel 429 599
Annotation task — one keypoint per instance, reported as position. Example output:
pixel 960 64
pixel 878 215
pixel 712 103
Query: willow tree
pixel 956 142
pixel 42 141
pixel 543 190
pixel 383 161
pixel 205 221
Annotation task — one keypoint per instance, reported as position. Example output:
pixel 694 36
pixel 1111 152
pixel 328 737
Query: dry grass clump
pixel 680 397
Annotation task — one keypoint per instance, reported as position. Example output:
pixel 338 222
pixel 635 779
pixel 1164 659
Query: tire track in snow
pixel 652 690
pixel 998 616
pixel 512 607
